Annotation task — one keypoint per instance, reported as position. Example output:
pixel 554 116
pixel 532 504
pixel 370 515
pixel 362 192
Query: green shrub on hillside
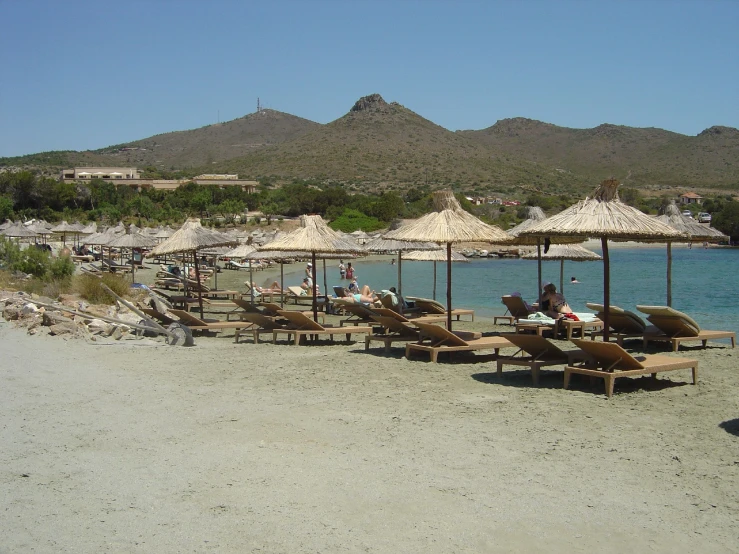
pixel 353 220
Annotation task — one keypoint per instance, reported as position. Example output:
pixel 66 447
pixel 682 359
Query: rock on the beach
pixel 63 328
pixel 117 333
pixel 54 318
pixel 11 312
pixel 99 327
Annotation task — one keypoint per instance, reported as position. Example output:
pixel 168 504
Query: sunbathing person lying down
pixel 365 296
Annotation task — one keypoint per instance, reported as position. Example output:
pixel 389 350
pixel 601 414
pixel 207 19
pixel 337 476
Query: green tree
pixel 727 220
pixel 6 207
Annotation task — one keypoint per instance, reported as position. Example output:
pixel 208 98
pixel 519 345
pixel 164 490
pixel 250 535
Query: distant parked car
pixel 704 217
pixel 687 213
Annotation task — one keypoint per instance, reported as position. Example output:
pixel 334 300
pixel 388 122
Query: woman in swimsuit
pixel 555 302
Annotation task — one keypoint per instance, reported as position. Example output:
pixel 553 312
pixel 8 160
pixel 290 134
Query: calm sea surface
pixel 704 281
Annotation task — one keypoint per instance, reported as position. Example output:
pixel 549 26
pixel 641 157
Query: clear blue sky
pixel 87 74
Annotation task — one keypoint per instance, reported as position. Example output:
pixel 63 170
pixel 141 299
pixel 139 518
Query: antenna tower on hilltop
pixel 259 106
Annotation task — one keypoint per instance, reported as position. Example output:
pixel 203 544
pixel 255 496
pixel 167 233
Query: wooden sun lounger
pixel 196 324
pixel 537 352
pixel 515 309
pixel 360 314
pixel 301 325
pixel 400 331
pixel 555 326
pixel 441 340
pixel 429 306
pixel 623 323
pixel 610 361
pixel 262 324
pixel 296 294
pixel 676 327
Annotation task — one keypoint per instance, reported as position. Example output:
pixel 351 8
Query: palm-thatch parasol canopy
pixel 381 244
pixel 64 229
pixel 693 230
pixel 132 240
pixel 19 231
pixel 603 216
pixel 191 237
pixel 450 224
pixel 562 252
pixel 314 236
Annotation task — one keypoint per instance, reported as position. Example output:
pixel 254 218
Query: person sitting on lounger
pixel 274 287
pixel 307 284
pixel 365 296
pixel 555 303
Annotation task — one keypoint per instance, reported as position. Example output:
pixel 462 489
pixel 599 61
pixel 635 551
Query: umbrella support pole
pixel 561 276
pixel 606 288
pixel 200 287
pixel 282 284
pixel 449 286
pixel 434 280
pixel 538 261
pixel 313 285
pixel 669 274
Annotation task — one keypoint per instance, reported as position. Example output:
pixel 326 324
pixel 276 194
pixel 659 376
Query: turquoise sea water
pixel 703 281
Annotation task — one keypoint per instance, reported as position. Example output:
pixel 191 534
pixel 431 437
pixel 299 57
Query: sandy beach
pixel 135 446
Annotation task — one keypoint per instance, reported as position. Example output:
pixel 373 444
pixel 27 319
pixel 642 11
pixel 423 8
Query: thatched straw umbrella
pixel 535 215
pixel 132 240
pixel 191 237
pixel 694 231
pixel 437 255
pixel 381 244
pixel 603 216
pixel 242 251
pixel 314 236
pixel 19 231
pixel 562 252
pixel 449 224
pixel 65 228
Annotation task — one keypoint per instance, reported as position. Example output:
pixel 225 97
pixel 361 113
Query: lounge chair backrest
pixel 536 346
pixel 429 305
pixel 387 302
pixel 262 320
pixel 440 333
pixel 339 291
pixel 388 312
pixel 187 318
pixel 671 321
pixel 301 321
pixel 271 308
pixel 608 354
pixel 516 306
pixel 395 325
pixel 353 307
pixel 245 305
pixel 622 321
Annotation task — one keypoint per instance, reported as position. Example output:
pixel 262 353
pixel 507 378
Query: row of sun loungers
pixel 426 334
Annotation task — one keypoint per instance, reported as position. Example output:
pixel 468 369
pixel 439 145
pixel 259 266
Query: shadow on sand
pixel 731 426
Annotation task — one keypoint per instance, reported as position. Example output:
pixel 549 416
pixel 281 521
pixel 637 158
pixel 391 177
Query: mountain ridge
pixel 378 144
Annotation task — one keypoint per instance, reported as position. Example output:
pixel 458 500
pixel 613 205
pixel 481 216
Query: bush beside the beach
pixel 88 287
